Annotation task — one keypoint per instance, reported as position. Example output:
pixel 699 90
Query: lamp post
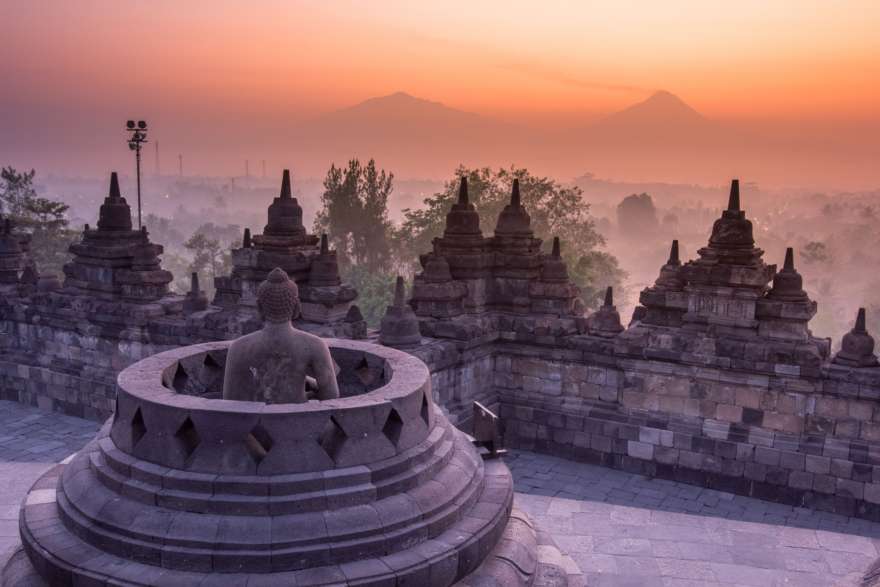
pixel 136 140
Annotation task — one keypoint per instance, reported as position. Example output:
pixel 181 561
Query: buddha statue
pixel 279 363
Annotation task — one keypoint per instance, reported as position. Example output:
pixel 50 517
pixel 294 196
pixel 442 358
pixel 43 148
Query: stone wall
pixel 72 368
pixel 778 436
pixel 459 378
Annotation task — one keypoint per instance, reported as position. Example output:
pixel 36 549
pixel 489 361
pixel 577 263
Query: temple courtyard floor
pixel 620 529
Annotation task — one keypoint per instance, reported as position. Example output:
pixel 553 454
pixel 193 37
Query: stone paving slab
pixel 624 529
pixel 31 441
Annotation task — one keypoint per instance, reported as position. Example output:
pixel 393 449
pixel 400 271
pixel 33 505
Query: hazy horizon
pixel 786 93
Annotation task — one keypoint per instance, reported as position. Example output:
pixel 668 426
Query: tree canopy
pixel 354 213
pixel 44 219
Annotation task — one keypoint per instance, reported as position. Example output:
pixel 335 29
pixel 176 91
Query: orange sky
pixel 219 73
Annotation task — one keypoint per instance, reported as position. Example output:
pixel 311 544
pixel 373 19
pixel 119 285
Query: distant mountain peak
pixel 667 99
pixel 660 108
pixel 398 98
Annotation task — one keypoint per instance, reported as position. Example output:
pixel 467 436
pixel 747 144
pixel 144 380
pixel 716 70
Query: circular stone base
pixel 43 530
pixel 64 553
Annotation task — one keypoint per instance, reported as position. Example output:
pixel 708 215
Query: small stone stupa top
pixel 463 218
pixel 196 300
pixel 857 346
pixel 788 285
pixel 285 213
pixel 670 273
pixel 436 267
pixel 324 271
pixel 606 320
pixel 554 268
pixel 731 258
pixel 115 213
pixel 514 220
pixel 399 326
pixel 733 229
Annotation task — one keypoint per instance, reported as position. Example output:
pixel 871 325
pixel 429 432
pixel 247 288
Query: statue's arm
pixel 322 364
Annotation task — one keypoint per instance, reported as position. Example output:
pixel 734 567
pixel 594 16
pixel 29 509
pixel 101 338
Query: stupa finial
pixel 557 253
pixel 325 245
pixel 789 260
pixel 609 296
pixel 860 326
pixel 246 241
pixel 285 185
pixel 399 293
pixel 514 195
pixel 733 202
pixel 114 194
pixel 673 254
pixel 463 197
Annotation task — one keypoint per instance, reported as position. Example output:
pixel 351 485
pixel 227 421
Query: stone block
pixel 755 471
pixel 640 450
pixel 649 435
pixel 841 468
pixel 791 460
pixel 847 488
pixel 824 483
pixel 690 459
pixel 872 493
pixel 744 452
pixel 729 413
pixel 800 480
pixel 767 456
pixel 817 464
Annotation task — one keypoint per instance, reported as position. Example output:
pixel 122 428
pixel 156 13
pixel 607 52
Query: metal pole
pixel 137 154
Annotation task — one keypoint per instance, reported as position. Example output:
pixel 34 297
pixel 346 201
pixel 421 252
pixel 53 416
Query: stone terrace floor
pixel 624 529
pixel 621 529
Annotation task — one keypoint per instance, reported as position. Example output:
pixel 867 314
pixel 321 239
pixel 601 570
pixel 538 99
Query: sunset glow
pixel 224 77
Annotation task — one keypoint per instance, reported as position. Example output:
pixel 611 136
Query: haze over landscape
pixel 684 91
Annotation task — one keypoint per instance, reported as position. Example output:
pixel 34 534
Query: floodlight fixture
pixel 136 140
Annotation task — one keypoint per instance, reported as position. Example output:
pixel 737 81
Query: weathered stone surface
pixel 114 261
pixel 399 327
pixel 400 492
pixel 857 348
pixel 308 261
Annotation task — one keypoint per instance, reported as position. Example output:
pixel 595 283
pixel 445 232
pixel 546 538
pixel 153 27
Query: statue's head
pixel 278 297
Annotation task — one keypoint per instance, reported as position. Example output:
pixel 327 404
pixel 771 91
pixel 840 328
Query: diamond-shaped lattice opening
pixel 187 437
pixel 138 428
pixel 211 363
pixel 393 426
pixel 332 438
pixel 363 372
pixel 181 378
pixel 426 408
pixel 258 443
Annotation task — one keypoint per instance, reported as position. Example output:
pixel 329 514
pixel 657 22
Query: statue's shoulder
pixel 313 341
pixel 245 342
